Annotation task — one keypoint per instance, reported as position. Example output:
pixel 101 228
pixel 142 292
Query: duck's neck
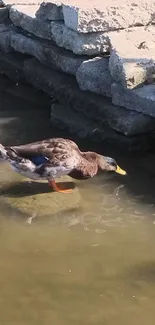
pixel 87 168
pixel 91 157
pixel 90 162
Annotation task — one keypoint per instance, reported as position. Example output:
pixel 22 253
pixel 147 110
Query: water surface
pixel 92 265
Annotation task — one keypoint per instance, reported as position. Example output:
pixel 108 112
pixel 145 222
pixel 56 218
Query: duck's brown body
pixel 60 152
pixel 52 158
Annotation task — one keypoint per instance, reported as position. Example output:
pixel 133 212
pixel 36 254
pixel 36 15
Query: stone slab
pixel 94 75
pixel 132 59
pixel 50 11
pixel 4 13
pixel 79 43
pixel 77 124
pixel 65 89
pixel 24 17
pixel 48 54
pixel 93 16
pixel 5 38
pixel 141 99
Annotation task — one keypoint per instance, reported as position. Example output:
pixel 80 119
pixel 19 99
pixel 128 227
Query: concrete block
pixel 79 43
pixel 48 54
pixel 132 59
pixel 65 89
pixel 141 99
pixel 24 16
pixel 94 75
pixel 4 13
pixel 5 38
pixel 50 11
pixel 77 124
pixel 107 15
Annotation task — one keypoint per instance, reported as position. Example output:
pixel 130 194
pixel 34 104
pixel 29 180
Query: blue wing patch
pixel 39 160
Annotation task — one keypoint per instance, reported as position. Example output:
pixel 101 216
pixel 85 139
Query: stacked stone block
pixel 100 57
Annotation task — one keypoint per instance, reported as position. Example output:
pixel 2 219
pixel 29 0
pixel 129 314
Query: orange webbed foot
pixel 56 188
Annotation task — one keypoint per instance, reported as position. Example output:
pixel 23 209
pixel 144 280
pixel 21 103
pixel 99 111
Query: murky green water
pixel 91 265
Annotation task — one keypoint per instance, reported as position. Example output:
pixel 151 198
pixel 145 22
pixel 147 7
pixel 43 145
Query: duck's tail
pixel 3 153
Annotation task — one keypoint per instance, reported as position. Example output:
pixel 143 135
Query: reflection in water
pixel 94 264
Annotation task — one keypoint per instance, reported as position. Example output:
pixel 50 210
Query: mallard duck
pixel 56 157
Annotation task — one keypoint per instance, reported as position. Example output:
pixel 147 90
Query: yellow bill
pixel 120 171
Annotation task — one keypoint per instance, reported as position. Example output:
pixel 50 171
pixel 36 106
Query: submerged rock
pixel 36 198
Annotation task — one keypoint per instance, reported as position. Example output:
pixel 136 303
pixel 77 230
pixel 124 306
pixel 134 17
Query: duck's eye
pixel 113 164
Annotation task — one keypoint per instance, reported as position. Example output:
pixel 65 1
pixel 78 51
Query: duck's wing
pixel 53 152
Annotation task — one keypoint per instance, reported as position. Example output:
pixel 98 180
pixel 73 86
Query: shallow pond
pixel 94 264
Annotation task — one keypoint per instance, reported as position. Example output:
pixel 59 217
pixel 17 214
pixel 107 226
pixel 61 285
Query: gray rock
pixel 4 13
pixel 94 75
pixel 5 38
pixel 24 17
pixel 65 89
pixel 107 15
pixel 44 203
pixel 79 43
pixel 48 54
pixel 132 59
pixel 50 11
pixel 140 99
pixel 78 125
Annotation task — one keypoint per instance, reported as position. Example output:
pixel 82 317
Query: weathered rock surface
pixel 4 13
pixel 5 38
pixel 50 11
pixel 48 54
pixel 94 75
pixel 132 59
pixel 93 16
pixel 79 43
pixel 67 92
pixel 141 99
pixel 65 118
pixel 24 17
pixel 108 15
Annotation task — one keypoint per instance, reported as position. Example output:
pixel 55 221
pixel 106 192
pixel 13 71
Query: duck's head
pixel 109 164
